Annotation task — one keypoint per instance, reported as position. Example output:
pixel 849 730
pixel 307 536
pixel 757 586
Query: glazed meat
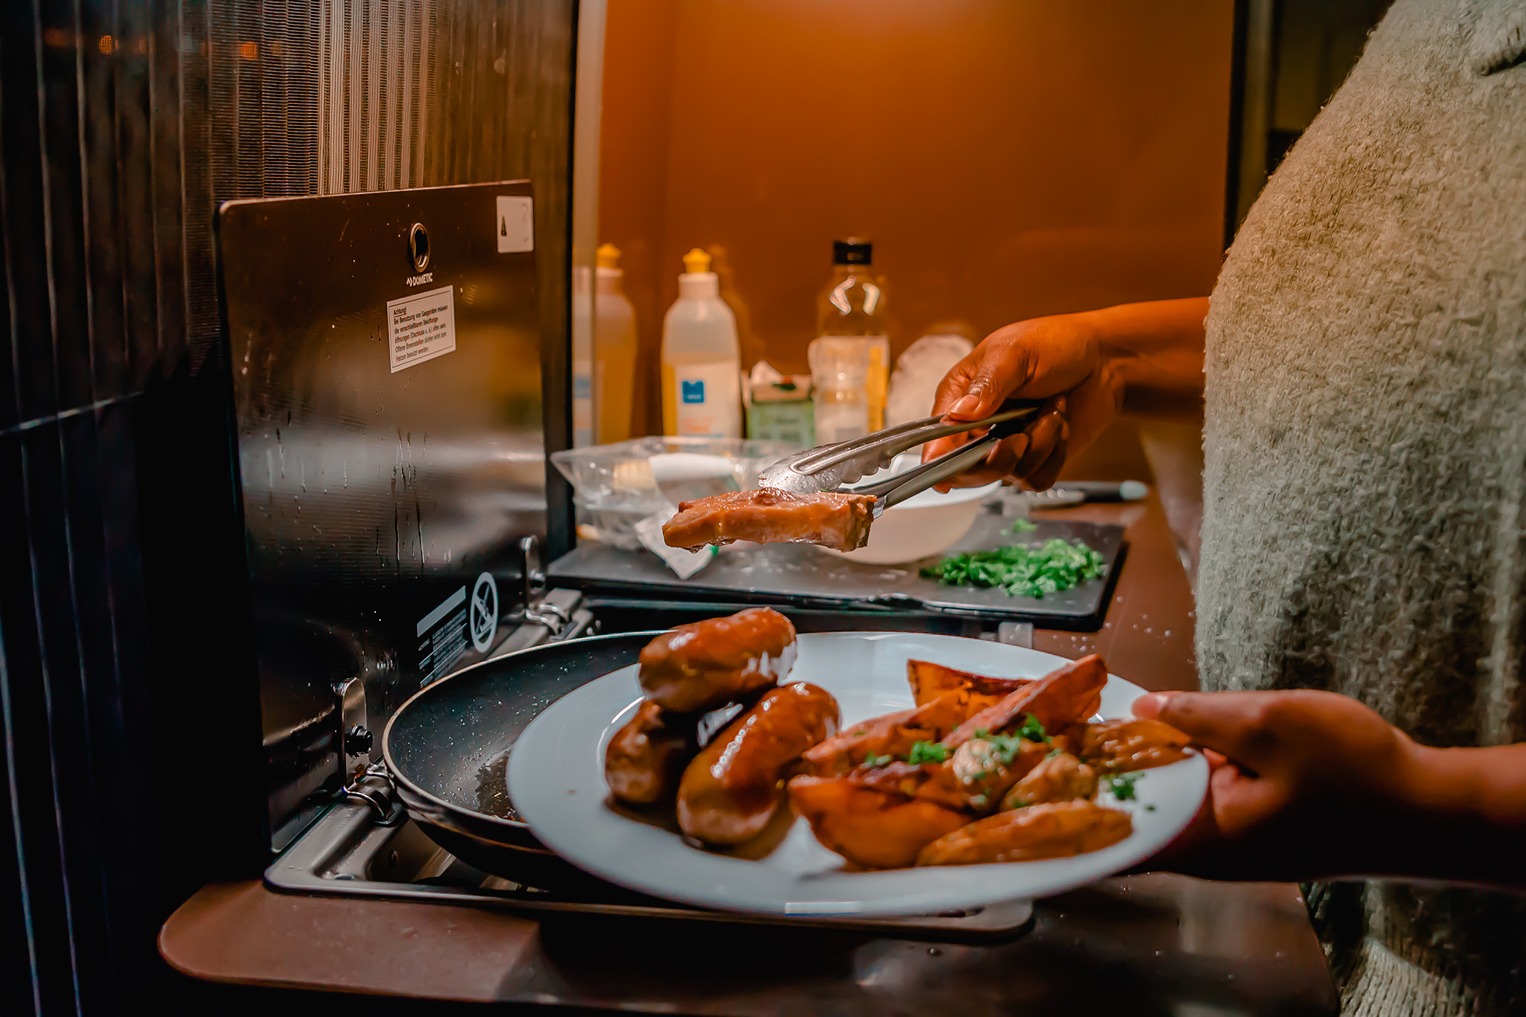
pixel 770 516
pixel 707 664
pixel 1061 778
pixel 735 785
pixel 646 757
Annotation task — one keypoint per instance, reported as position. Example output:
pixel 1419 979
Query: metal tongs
pixel 833 467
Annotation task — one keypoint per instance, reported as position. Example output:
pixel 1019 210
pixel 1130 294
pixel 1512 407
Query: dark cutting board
pixel 795 574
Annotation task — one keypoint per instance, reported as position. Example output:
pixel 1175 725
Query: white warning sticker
pixel 515 225
pixel 421 326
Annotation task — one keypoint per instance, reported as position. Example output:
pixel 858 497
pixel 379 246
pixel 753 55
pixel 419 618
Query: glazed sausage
pixel 646 758
pixel 706 664
pixel 735 785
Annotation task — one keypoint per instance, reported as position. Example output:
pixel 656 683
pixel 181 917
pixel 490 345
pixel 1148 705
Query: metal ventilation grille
pixel 376 87
pixel 122 126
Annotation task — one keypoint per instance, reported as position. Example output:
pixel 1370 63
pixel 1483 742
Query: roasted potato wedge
pixel 1057 830
pixel 892 735
pixel 931 681
pixel 870 827
pixel 1067 696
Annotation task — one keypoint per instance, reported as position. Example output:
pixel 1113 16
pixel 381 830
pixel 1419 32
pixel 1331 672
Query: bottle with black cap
pixel 850 359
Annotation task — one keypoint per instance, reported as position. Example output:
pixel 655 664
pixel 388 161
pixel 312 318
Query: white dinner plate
pixel 556 781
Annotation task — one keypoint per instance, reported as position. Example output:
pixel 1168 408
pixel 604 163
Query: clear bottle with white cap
pixel 701 358
pixel 614 342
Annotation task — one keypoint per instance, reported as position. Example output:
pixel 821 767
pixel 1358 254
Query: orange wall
pixel 1007 157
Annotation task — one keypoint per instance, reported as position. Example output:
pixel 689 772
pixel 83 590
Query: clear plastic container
pixel 615 486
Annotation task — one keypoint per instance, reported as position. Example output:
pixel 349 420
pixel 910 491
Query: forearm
pixel 1462 816
pixel 1155 350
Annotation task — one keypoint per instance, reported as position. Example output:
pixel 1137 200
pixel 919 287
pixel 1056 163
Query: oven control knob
pixel 357 741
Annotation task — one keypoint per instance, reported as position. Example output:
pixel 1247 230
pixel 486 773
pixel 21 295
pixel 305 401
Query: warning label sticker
pixel 442 637
pixel 421 326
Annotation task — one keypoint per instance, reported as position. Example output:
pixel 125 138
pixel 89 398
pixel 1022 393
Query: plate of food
pixel 742 766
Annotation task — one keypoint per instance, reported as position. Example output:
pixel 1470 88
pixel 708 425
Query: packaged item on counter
pixel 779 406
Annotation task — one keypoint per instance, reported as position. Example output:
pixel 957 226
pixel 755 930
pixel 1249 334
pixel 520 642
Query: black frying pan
pixel 447 745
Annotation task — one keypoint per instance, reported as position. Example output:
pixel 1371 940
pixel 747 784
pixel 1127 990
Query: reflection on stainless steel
pixel 379 495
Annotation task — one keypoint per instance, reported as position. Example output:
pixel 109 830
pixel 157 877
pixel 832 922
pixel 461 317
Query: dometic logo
pixel 420 280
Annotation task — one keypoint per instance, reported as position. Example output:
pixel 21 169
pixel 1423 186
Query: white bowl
pixel 924 525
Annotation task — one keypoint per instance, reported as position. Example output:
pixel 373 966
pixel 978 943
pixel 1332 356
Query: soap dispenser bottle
pixel 701 358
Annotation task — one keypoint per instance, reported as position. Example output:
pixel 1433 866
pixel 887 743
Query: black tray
pixel 798 575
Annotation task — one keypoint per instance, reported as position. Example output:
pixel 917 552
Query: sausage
pixel 735 785
pixel 706 664
pixel 646 758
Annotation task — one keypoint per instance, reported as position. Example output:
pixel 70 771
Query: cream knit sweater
pixel 1365 455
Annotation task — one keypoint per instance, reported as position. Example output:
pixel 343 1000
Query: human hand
pixel 1303 785
pixel 1056 359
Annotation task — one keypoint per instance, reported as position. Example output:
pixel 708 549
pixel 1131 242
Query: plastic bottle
pixel 614 341
pixel 701 359
pixel 852 347
pixel 582 357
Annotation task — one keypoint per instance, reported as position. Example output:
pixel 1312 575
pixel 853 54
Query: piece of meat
pixel 646 758
pixel 985 768
pixel 735 785
pixel 707 664
pixel 870 827
pixel 1061 778
pixel 1137 743
pixel 1057 830
pixel 772 516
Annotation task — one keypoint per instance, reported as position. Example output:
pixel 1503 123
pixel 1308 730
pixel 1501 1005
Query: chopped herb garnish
pixel 1024 526
pixel 1121 785
pixel 1149 808
pixel 1033 730
pixel 1051 567
pixel 872 760
pixel 1005 747
pixel 980 801
pixel 1055 752
pixel 1021 803
pixel 927 752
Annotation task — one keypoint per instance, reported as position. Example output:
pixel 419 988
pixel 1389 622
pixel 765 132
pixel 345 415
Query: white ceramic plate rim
pixel 556 780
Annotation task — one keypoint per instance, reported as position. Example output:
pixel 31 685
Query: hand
pixel 1304 785
pixel 1057 359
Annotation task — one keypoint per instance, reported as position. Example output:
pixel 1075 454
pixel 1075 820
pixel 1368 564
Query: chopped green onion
pixel 1121 785
pixel 1052 567
pixel 927 752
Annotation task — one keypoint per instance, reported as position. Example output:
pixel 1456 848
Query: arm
pixel 1469 807
pixel 1139 358
pixel 1156 352
pixel 1312 785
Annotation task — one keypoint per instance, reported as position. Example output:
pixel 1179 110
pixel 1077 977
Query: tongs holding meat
pixel 803 498
pixel 831 468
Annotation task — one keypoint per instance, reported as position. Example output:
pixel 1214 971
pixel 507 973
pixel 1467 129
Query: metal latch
pixel 355 738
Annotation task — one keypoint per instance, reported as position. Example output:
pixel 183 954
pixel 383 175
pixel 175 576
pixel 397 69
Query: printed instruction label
pixel 709 400
pixel 442 637
pixel 421 326
pixel 515 227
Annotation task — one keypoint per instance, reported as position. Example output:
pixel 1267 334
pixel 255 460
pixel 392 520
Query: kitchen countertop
pixel 1145 944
